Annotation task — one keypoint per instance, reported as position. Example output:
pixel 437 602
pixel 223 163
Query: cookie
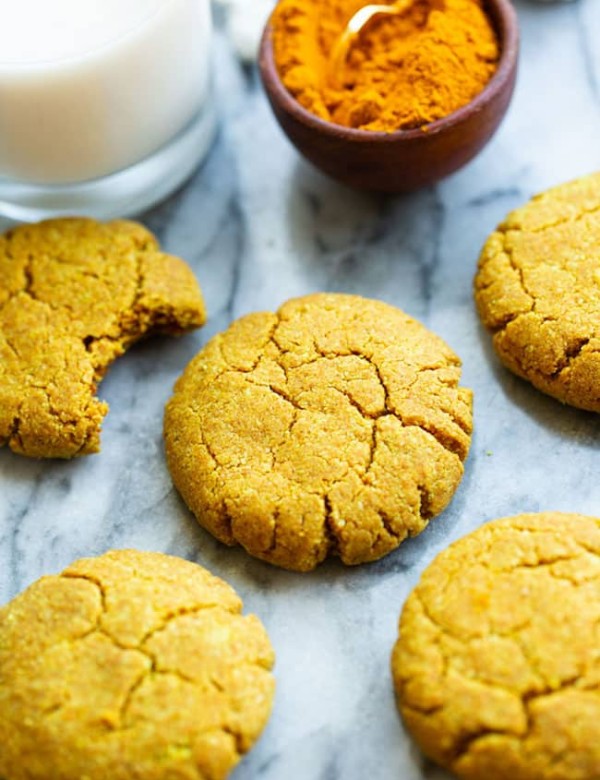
pixel 334 426
pixel 74 294
pixel 538 291
pixel 130 665
pixel 497 668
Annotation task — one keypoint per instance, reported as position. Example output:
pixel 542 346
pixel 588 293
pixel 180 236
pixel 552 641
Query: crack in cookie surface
pixel 130 665
pixel 538 292
pixel 335 426
pixel 496 669
pixel 74 295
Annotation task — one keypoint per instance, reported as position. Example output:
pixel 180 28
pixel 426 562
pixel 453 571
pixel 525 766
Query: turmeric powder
pixel 403 71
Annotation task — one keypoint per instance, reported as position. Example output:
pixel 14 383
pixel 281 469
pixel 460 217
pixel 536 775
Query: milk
pixel 90 87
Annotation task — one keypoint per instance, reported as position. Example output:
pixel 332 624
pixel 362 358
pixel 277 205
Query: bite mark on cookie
pixel 74 295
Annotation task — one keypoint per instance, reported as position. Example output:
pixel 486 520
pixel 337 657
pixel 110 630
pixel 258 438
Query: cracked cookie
pixel 334 426
pixel 538 291
pixel 129 665
pixel 497 668
pixel 74 295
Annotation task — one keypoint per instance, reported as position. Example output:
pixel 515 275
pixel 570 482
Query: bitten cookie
pixel 538 292
pixel 497 668
pixel 130 665
pixel 74 294
pixel 332 427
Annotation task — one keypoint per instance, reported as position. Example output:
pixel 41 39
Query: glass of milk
pixel 105 105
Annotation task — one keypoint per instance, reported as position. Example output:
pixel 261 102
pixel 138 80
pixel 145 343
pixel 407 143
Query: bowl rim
pixel 507 28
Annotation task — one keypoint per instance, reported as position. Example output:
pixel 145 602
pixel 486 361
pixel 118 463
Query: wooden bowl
pixel 406 159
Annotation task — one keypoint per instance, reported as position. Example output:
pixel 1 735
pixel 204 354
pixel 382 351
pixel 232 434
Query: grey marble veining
pixel 258 226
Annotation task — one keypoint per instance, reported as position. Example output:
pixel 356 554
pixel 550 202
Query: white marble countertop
pixel 259 225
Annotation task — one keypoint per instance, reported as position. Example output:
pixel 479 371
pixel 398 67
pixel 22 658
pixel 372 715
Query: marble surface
pixel 259 225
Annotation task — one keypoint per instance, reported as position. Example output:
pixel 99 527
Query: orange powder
pixel 402 71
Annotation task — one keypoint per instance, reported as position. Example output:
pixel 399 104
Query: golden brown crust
pixel 538 291
pixel 335 426
pixel 497 670
pixel 130 665
pixel 74 294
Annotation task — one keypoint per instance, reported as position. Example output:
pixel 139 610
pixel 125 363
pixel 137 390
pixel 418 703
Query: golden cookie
pixel 497 668
pixel 538 292
pixel 332 427
pixel 74 294
pixel 130 665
